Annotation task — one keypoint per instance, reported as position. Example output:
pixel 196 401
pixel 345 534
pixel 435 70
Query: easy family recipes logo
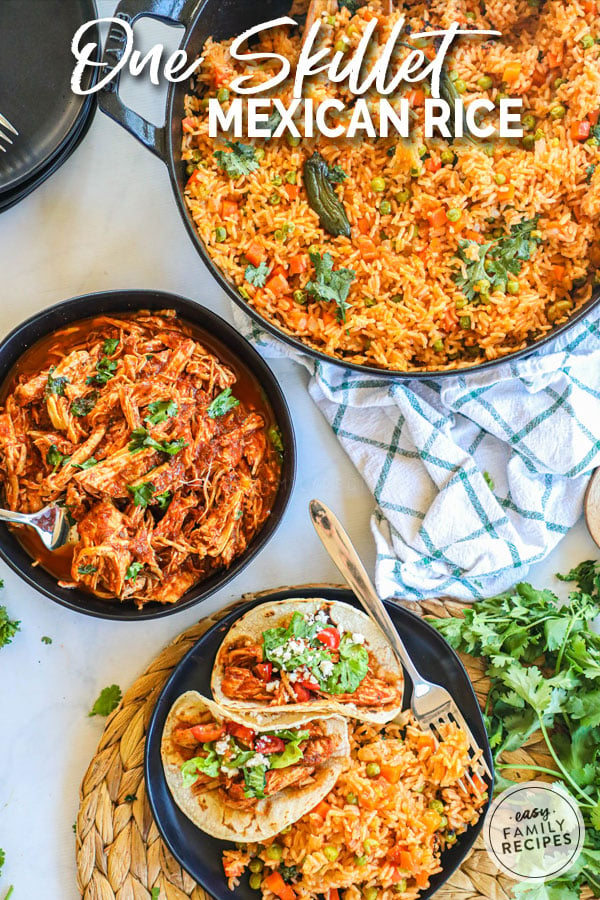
pixel 381 75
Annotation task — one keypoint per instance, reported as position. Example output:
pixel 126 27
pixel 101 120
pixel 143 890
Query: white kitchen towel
pixel 475 476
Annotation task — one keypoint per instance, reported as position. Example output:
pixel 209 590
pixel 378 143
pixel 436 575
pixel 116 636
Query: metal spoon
pixel 50 523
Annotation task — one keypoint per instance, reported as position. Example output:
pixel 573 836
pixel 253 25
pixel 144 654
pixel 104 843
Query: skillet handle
pixel 171 12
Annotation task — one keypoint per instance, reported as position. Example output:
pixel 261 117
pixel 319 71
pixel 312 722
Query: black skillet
pixel 35 86
pixel 223 19
pixel 200 854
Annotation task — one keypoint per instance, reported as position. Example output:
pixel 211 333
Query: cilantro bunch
pixel 330 285
pixel 543 659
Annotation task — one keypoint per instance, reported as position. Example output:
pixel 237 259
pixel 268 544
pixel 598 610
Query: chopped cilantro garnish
pixel 55 458
pixel 105 370
pixel 46 640
pixel 488 480
pixel 276 439
pixel 110 346
pixel 160 411
pixel 223 403
pixel 330 285
pixel 134 570
pixel 88 464
pixel 141 439
pixel 142 493
pixel 351 6
pixel 87 570
pixel 241 161
pixel 163 500
pixel 257 275
pixel 589 172
pixel 82 406
pixel 56 385
pixel 109 699
pixel 336 174
pixel 8 627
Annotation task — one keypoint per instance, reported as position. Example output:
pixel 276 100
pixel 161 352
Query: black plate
pixel 49 320
pixel 35 81
pixel 200 854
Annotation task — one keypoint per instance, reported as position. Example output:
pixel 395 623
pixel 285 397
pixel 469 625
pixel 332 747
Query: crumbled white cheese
pixel 259 759
pixel 358 638
pixel 321 616
pixel 271 686
pixel 221 747
pixel 326 667
pixel 229 771
pixel 293 676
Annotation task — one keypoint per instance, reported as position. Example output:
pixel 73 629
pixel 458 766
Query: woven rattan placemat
pixel 120 855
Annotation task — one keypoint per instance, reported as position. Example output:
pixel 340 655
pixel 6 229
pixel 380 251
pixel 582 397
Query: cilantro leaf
pixel 163 500
pixel 336 174
pixel 110 345
pixel 222 404
pixel 8 627
pixel 257 275
pixel 134 570
pixel 82 406
pixel 46 640
pixel 160 411
pixel 155 893
pixel 288 873
pixel 55 385
pixel 241 161
pixel 105 370
pixel 109 699
pixel 141 439
pixel 488 480
pixel 351 5
pixel 142 493
pixel 329 285
pixel 276 438
pixel 55 458
pixel 87 569
pixel 87 464
pixel 589 172
pixel 2 859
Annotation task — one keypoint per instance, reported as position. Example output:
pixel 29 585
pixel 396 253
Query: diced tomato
pixel 367 249
pixel 229 208
pixel 275 883
pixel 268 743
pixel 391 773
pixel 292 190
pixel 327 317
pixel 206 733
pixel 364 226
pixel 401 858
pixel 321 809
pixel 302 694
pixel 255 254
pixel 511 72
pixel 243 734
pixel 593 117
pixel 416 97
pixel 189 124
pixel 264 671
pixel 580 131
pixel 330 637
pixel 299 264
pixel 433 165
pixel 437 218
pixel 278 284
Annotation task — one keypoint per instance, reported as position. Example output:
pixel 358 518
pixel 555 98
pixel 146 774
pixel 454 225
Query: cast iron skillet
pixel 223 19
pixel 49 320
pixel 199 853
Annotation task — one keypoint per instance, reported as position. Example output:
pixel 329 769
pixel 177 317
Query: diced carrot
pixel 229 208
pixel 321 809
pixel 391 773
pixel 194 177
pixel 506 191
pixel 298 264
pixel 275 883
pixel 432 820
pixel 433 165
pixel 449 320
pixel 278 284
pixel 220 77
pixel 279 270
pixel 327 317
pixel 593 117
pixel 416 97
pixel 478 782
pixel 367 249
pixel 406 860
pixel 255 254
pixel 364 226
pixel 558 272
pixel 333 894
pixel 589 7
pixel 189 124
pixel 292 190
pixel 422 879
pixel 471 235
pixel 580 131
pixel 437 218
pixel 552 59
pixel 423 254
pixel 511 72
pixel 538 78
pixel 430 52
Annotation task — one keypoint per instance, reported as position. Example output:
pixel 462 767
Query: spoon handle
pixel 344 555
pixel 15 518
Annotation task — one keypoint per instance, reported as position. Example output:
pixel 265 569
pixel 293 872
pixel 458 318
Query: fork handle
pixel 344 555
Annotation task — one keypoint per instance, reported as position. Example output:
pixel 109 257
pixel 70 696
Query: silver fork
pixel 4 137
pixel 431 704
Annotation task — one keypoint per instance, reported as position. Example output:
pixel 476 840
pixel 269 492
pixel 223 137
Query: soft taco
pixel 315 655
pixel 242 783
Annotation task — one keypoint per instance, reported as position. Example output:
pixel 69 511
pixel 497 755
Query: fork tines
pixel 9 127
pixel 447 714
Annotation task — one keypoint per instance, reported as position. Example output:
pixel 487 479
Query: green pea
pixel 451 838
pixel 220 235
pixel 460 85
pixel 397 298
pixel 190 169
pixel 256 864
pixel 403 196
pixel 415 171
pixel 289 228
pixel 352 799
pixel 501 95
pixel 558 112
pixel 453 215
pixel 499 178
pixel 279 235
pixel 274 199
pixel 558 82
pixel 592 142
pixel 373 769
pixel 483 286
pixel 259 153
pixel 528 122
pixel 537 234
pixel 291 177
pixel 331 853
pixel 423 152
pixel 385 207
pixel 438 346
pixel 370 844
pixel 341 46
pixel 275 851
pixel 587 41
pixel 204 103
pixel 370 893
pixel 465 321
pixel 447 157
pixel 286 830
pixel 443 822
pixel 461 303
pixel 222 95
pixel 292 140
pixel 485 82
pixel 512 287
pixel 243 293
pixel 255 881
pixel 528 141
pixel 378 185
pixel 470 16
pixel 276 179
pixel 538 135
pixel 331 20
pixel 370 301
pixel 361 860
pixel 437 806
pixel 400 886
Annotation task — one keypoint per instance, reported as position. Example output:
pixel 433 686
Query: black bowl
pixel 199 853
pixel 49 320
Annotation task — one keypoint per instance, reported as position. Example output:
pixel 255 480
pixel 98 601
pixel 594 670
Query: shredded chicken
pixel 136 428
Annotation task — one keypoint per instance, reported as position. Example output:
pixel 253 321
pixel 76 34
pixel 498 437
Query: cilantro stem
pixel 499 765
pixel 565 775
pixel 10 892
pixel 563 646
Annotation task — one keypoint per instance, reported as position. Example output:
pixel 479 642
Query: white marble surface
pixel 107 220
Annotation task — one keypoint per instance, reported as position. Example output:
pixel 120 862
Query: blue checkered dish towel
pixel 476 476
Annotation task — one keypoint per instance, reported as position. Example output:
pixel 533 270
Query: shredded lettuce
pixel 255 781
